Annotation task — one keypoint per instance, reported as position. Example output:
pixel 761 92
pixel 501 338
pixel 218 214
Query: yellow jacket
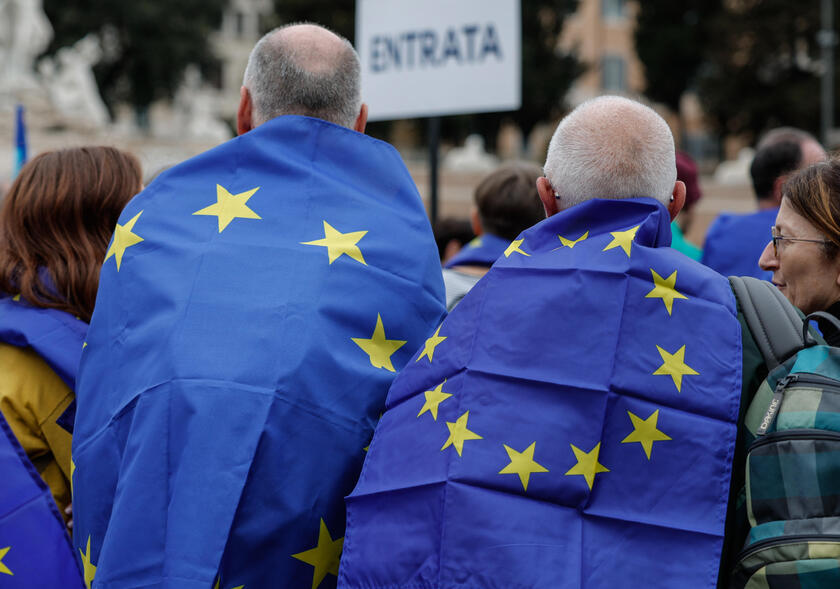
pixel 32 397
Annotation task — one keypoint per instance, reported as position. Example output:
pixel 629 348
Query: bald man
pixel 575 428
pixel 257 301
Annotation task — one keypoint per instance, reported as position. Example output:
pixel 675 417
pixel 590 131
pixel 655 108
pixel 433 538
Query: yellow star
pixel 378 347
pixel 623 239
pixel 3 568
pixel 230 206
pixel 338 243
pixel 218 579
pixel 458 434
pixel 431 344
pixel 664 288
pixel 87 565
pixel 674 366
pixel 522 463
pixel 645 432
pixel 324 557
pixel 572 242
pixel 124 238
pixel 433 399
pixel 514 247
pixel 587 464
pixel 16 298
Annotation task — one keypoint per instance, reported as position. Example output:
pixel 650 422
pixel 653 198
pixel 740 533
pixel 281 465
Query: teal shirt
pixel 679 243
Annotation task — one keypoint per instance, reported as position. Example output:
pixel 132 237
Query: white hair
pixel 611 147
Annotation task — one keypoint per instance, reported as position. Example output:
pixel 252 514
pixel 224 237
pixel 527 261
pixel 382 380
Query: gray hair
pixel 611 147
pixel 304 77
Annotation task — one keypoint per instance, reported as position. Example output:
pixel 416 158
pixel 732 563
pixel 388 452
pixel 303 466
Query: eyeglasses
pixel 776 237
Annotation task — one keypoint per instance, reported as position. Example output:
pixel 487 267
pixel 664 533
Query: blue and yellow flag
pixel 571 424
pixel 254 306
pixel 35 549
pixel 481 251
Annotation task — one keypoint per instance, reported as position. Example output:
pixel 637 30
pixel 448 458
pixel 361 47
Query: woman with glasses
pixel 804 249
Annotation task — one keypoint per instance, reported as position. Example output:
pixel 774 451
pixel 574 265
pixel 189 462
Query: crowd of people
pixel 269 379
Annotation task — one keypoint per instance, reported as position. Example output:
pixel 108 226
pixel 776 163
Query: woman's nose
pixel 768 259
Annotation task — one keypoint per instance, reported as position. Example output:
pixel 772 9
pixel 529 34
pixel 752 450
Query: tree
pixel 547 73
pixel 670 36
pixel 147 43
pixel 762 69
pixel 754 63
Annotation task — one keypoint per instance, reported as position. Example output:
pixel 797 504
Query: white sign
pixel 439 57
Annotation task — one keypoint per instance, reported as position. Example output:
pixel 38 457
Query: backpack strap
pixel 774 322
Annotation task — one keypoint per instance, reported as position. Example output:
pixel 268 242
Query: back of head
pixel 56 222
pixel 611 147
pixel 304 69
pixel 507 200
pixel 780 152
pixel 814 193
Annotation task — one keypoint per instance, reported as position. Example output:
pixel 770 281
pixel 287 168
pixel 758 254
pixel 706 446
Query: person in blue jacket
pixel 734 242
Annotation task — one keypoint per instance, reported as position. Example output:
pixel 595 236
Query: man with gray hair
pixel 277 284
pixel 574 424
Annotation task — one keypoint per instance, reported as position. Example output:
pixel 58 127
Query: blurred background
pixel 162 79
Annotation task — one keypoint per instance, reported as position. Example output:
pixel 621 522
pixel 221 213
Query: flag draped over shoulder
pixel 35 549
pixel 54 335
pixel 483 250
pixel 253 309
pixel 570 424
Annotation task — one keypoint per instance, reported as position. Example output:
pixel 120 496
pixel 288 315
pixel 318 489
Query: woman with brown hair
pixel 804 249
pixel 55 225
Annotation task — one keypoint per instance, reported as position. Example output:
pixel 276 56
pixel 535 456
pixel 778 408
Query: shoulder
pixel 28 384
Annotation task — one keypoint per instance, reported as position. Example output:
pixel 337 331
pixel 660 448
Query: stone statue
pixel 25 33
pixel 471 157
pixel 195 110
pixel 71 85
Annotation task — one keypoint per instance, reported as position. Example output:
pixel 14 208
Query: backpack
pixel 792 436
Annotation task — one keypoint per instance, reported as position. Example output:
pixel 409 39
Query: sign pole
pixel 434 148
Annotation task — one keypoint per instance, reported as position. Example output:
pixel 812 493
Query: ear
pixel 546 192
pixel 677 199
pixel 361 120
pixel 245 113
pixel 778 183
pixel 475 221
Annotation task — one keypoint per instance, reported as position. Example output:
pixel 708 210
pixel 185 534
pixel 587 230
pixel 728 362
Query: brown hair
pixel 56 222
pixel 508 201
pixel 814 193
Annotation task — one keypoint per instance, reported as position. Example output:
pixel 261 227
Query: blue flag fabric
pixel 54 335
pixel 734 243
pixel 253 308
pixel 573 425
pixel 481 251
pixel 21 152
pixel 35 551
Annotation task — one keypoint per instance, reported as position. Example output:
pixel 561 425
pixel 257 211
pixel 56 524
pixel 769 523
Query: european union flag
pixel 35 551
pixel 483 250
pixel 20 140
pixel 54 335
pixel 571 424
pixel 254 306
